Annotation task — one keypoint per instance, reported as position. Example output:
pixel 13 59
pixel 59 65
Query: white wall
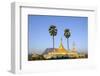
pixel 5 33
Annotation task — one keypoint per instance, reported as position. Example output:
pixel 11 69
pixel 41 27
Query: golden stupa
pixel 61 51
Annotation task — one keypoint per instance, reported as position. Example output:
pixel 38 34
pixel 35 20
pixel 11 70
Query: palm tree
pixel 67 34
pixel 53 32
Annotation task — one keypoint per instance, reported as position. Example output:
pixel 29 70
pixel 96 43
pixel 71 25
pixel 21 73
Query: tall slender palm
pixel 67 34
pixel 53 32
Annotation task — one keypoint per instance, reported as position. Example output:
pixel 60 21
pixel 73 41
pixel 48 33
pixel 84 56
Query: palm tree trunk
pixel 68 43
pixel 53 42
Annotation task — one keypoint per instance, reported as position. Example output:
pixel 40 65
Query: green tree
pixel 53 32
pixel 67 34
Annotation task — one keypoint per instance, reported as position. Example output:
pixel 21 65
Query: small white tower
pixel 74 47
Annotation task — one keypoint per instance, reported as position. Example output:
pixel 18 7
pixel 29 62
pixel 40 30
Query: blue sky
pixel 40 39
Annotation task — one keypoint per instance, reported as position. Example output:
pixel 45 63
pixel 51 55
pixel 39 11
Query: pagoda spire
pixel 74 47
pixel 73 44
pixel 61 39
pixel 61 45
